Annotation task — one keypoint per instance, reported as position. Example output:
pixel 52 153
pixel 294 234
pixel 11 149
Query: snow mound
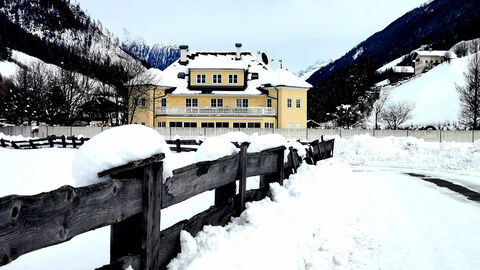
pixel 409 152
pixel 265 142
pixel 237 136
pixel 115 147
pixel 16 137
pixel 214 148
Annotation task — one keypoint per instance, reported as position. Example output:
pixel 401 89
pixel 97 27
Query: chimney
pixel 239 47
pixel 183 54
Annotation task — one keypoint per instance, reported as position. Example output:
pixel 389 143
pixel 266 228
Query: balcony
pixel 216 111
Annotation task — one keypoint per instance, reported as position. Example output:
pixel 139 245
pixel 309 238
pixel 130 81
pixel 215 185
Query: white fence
pixel 308 134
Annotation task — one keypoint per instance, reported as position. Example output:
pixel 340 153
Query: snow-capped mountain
pixel 158 56
pixel 308 71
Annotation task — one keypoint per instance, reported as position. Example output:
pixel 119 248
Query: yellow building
pixel 222 90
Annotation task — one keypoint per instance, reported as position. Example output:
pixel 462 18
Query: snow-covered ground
pixel 358 210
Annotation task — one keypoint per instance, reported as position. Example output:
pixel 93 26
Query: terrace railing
pixel 216 111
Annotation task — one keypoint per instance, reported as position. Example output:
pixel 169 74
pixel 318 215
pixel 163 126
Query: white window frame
pixel 269 103
pixel 163 102
pixel 289 125
pixel 201 78
pixel 217 78
pixel 192 101
pixel 289 103
pixel 242 102
pixel 232 78
pixel 298 126
pixel 298 103
pixel 216 102
pixel 161 124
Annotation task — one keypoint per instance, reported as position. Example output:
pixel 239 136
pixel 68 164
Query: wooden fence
pixel 132 200
pixel 50 141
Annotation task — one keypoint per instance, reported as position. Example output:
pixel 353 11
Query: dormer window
pixel 217 78
pixel 201 78
pixel 233 78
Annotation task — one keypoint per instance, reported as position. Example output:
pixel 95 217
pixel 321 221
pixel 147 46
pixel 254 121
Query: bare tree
pixel 138 90
pixel 461 49
pixel 396 114
pixel 378 106
pixel 469 93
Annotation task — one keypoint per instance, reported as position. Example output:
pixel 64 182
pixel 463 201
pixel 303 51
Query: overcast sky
pixel 298 31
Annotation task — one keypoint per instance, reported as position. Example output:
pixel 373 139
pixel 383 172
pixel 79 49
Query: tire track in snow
pixel 470 194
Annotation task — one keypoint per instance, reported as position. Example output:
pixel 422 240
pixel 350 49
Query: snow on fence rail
pixel 131 201
pixel 304 134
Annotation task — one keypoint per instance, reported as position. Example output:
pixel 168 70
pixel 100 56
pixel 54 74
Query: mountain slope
pixel 441 23
pixel 157 56
pixel 60 33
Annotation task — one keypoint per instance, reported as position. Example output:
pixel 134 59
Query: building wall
pixel 286 115
pixel 209 77
pixel 424 62
pixel 292 115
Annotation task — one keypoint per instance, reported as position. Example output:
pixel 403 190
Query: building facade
pixel 426 60
pixel 223 90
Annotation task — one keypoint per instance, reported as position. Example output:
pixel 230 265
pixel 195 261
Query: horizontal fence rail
pixel 303 134
pixel 49 142
pixel 131 202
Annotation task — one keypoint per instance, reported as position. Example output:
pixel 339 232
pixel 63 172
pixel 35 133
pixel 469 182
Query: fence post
pixel 294 160
pixel 440 135
pixel 170 132
pixel 179 147
pixel 306 134
pixel 64 143
pixel 473 136
pixel 74 143
pixel 3 143
pixel 151 214
pixel 340 132
pixel 242 176
pixel 140 234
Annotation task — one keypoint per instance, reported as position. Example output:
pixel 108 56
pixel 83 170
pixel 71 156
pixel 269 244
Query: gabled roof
pixel 226 60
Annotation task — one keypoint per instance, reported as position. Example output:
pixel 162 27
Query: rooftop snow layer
pixel 226 60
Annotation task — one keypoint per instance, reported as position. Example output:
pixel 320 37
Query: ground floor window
pixel 176 124
pixel 190 124
pixel 298 126
pixel 239 125
pixel 222 125
pixel 161 124
pixel 269 125
pixel 254 125
pixel 208 125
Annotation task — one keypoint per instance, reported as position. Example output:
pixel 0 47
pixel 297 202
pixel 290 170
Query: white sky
pixel 298 31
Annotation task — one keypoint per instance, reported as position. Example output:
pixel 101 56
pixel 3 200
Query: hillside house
pixel 426 60
pixel 223 90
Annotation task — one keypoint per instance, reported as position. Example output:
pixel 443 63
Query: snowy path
pixel 329 217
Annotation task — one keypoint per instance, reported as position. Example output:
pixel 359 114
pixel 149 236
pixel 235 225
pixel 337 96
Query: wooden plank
pixel 196 178
pixel 242 176
pixel 51 140
pixel 32 145
pixel 152 204
pixel 126 238
pixel 224 193
pixel 292 156
pixel 263 163
pixel 170 238
pixel 123 263
pixel 132 165
pixel 2 142
pixel 29 223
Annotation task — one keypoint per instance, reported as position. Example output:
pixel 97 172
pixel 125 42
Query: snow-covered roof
pixel 403 69
pixel 433 53
pixel 224 61
pixel 151 76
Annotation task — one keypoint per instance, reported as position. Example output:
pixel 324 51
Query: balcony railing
pixel 216 111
